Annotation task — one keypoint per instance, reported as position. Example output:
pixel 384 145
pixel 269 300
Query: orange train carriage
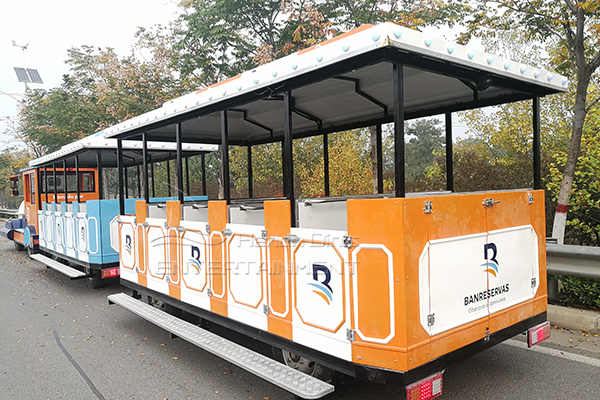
pixel 391 287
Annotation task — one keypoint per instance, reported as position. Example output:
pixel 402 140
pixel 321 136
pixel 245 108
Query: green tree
pixel 570 29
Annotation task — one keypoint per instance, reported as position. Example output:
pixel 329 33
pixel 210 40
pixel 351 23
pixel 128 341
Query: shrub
pixel 580 291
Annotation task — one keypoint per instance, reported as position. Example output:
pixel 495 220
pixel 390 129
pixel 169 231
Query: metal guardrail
pixel 578 261
pixel 6 211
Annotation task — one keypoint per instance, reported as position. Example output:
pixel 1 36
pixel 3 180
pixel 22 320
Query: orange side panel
pixel 538 221
pixel 376 227
pixel 140 215
pixel 278 225
pixel 173 219
pixel 416 236
pixel 217 219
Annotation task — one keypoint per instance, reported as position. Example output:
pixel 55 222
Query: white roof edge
pixel 359 41
pixel 91 142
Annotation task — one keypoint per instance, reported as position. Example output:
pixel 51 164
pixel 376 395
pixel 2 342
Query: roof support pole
pixel 99 169
pixel 537 174
pixel 179 166
pixel 145 167
pixel 449 154
pixel 152 173
pixel 77 178
pixel 288 161
pixel 187 176
pixel 120 173
pixel 225 155
pixel 169 178
pixel 203 160
pixel 64 165
pixel 139 182
pixel 326 163
pixel 46 183
pixel 39 187
pixel 126 178
pixel 54 182
pixel 250 177
pixel 399 129
pixel 379 139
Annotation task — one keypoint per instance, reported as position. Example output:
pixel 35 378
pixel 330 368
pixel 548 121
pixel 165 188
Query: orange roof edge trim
pixel 219 83
pixel 333 39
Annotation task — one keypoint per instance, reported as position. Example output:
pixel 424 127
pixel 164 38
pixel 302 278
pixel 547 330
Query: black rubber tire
pixel 95 280
pixel 317 370
pixel 19 246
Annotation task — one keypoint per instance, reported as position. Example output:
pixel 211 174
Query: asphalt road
pixel 60 340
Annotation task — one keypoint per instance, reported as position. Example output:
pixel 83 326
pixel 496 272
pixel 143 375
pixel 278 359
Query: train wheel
pixel 302 364
pixel 95 280
pixel 19 246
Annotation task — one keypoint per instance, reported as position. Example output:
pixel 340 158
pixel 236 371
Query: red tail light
pixel 110 273
pixel 428 388
pixel 538 333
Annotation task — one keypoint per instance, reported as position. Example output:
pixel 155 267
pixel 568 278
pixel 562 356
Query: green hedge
pixel 580 291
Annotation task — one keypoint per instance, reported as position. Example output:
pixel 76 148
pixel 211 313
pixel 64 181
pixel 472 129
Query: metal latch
pixel 266 309
pixel 431 319
pixel 490 203
pixel 487 335
pixel 207 228
pixel 350 335
pixel 530 198
pixel 533 282
pixel 145 224
pixel 263 234
pixel 428 207
pixel 292 238
pixel 227 232
pixel 209 292
pixel 180 229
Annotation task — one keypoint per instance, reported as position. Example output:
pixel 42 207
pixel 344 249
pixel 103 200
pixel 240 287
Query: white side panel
pixel 128 249
pixel 455 273
pixel 194 260
pixel 157 256
pixel 246 270
pixel 82 235
pixel 321 291
pixel 515 264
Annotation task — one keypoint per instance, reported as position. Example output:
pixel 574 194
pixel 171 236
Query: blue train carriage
pixel 70 202
pixel 390 287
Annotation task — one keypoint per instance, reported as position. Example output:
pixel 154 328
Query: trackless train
pixel 390 287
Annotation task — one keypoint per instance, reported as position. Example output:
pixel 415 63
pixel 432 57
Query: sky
pixel 51 27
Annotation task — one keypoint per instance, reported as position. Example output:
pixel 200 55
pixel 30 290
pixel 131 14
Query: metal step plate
pixel 279 374
pixel 62 268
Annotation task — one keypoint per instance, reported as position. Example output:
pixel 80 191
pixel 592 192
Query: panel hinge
pixel 145 224
pixel 530 198
pixel 166 225
pixel 167 279
pixel 209 292
pixel 350 335
pixel 180 229
pixel 428 209
pixel 263 234
pixel 207 229
pixel 227 232
pixel 533 282
pixel 119 221
pixel 266 309
pixel 292 238
pixel 431 319
pixel 490 203
pixel 135 221
pixel 487 335
pixel 347 241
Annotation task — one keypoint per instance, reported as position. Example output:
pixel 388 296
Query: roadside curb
pixel 573 318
